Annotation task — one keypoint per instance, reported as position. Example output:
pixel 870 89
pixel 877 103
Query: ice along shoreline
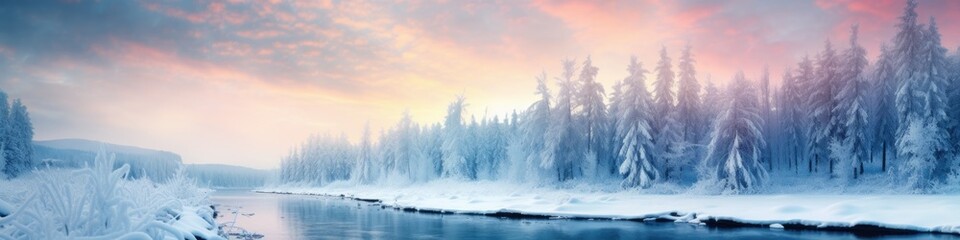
pixel 857 228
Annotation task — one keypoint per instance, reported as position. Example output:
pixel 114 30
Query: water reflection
pixel 311 217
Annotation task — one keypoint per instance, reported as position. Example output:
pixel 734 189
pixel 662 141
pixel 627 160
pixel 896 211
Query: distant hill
pixel 94 146
pixel 73 153
pixel 227 176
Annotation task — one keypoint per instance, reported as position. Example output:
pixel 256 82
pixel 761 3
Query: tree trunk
pixel 884 153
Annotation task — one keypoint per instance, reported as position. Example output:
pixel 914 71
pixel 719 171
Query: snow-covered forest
pixel 890 122
pixel 219 176
pixel 16 138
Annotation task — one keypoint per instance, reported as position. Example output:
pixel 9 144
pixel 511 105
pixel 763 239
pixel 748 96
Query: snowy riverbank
pixel 922 213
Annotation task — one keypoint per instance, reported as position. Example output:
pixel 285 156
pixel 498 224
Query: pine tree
pixel 884 110
pixel 821 101
pixel 736 142
pixel 362 171
pixel 454 159
pixel 908 44
pixel 953 96
pixel 688 99
pixel 806 86
pixel 533 129
pixel 615 109
pixel 852 104
pixel 634 130
pixel 766 115
pixel 920 101
pixel 563 139
pixel 592 116
pixel 791 115
pixel 20 145
pixel 665 129
pixel 935 71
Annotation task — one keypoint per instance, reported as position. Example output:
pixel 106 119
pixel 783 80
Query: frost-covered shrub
pixel 97 202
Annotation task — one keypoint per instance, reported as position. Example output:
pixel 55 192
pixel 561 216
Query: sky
pixel 242 82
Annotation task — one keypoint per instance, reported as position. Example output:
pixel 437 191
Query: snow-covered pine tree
pixel 20 140
pixel 688 99
pixel 806 82
pixel 362 170
pixel 533 132
pixel 935 71
pixel 907 47
pixel 615 109
pixel 493 142
pixel 791 119
pixel 736 142
pixel 665 129
pixel 564 143
pixel 592 116
pixel 953 98
pixel 432 148
pixel 765 113
pixel 852 104
pixel 471 148
pixel 689 110
pixel 406 150
pixel 824 123
pixel 884 114
pixel 454 159
pixel 634 130
pixel 920 101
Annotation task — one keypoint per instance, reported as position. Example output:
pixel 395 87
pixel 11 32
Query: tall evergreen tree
pixel 534 127
pixel 766 115
pixel 615 109
pixel 20 158
pixel 884 116
pixel 821 102
pixel 564 139
pixel 920 100
pixel 665 129
pixel 852 104
pixel 953 98
pixel 688 99
pixel 363 170
pixel 935 72
pixel 806 86
pixel 907 47
pixel 736 142
pixel 634 130
pixel 791 119
pixel 592 117
pixel 454 154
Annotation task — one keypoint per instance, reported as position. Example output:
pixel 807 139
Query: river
pixel 278 216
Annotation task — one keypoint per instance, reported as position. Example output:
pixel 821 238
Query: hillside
pixel 73 153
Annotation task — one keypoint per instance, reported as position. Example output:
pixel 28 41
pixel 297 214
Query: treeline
pixel 834 115
pixel 16 138
pixel 226 176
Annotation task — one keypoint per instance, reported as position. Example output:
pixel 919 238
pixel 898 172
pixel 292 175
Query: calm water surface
pixel 311 217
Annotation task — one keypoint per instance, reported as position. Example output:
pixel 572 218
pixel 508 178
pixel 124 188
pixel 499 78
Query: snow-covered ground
pixel 933 213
